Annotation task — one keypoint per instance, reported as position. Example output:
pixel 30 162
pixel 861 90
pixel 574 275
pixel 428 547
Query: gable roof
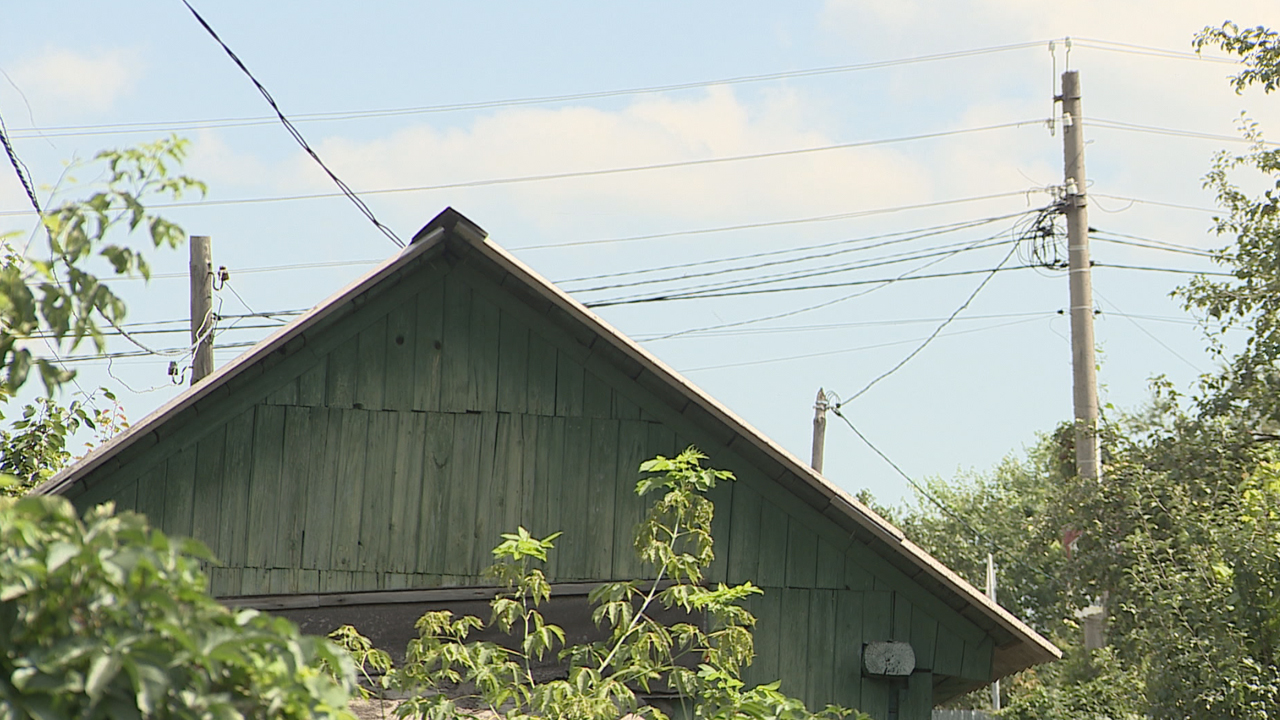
pixel 1017 646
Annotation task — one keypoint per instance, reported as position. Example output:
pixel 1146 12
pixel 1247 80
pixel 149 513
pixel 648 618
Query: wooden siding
pixel 392 446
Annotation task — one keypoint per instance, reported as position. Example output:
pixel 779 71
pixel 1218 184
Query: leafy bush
pixel 107 618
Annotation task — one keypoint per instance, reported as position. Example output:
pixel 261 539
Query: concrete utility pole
pixel 201 307
pixel 991 593
pixel 820 407
pixel 1075 207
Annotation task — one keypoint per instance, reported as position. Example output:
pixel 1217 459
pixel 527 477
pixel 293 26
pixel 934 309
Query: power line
pixel 1149 246
pixel 775 223
pixel 861 323
pixel 844 351
pixel 1148 333
pixel 912 235
pixel 70 130
pixel 1172 132
pixel 804 274
pixel 295 133
pixel 344 115
pixel 603 172
pixel 1131 49
pixel 936 502
pixel 1179 271
pixel 937 331
pixel 19 167
pixel 801 288
pixel 1157 203
pixel 809 308
pixel 1151 241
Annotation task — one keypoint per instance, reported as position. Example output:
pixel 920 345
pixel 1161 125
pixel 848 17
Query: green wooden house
pixel 361 462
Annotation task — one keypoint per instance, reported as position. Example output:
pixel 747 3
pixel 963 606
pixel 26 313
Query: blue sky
pixel 80 74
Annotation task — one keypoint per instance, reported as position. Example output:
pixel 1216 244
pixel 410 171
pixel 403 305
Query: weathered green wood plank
pixel 901 618
pixel 848 649
pixel 924 633
pixel 286 394
pixel 542 376
pixel 802 554
pixel 877 616
pixel 255 581
pixel 371 366
pixel 234 520
pixel 206 501
pixel 406 495
pixel 336 581
pixel 771 571
pixel 127 499
pixel 856 577
pixel 151 495
pixel 793 653
pixel 401 350
pixel 340 374
pixel 491 500
pixel 744 535
pixel 378 493
pixel 624 408
pixel 179 489
pixel 460 536
pixel 629 509
pixel 456 345
pixel 482 369
pixel 602 486
pixel 322 490
pixel 428 346
pixel 948 654
pixel 311 385
pixel 830 573
pixel 917 701
pixel 513 364
pixel 597 397
pixel 308 581
pixel 569 386
pixel 225 582
pixel 281 581
pixel 297 471
pixel 721 497
pixel 821 662
pixel 575 492
pixel 508 474
pixel 264 486
pixel 437 468
pixel 976 664
pixel 768 611
pixel 875 697
pixel 547 491
pixel 353 443
pixel 529 442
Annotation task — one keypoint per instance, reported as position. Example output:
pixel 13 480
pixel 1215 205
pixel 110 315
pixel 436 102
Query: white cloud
pixel 651 131
pixel 63 82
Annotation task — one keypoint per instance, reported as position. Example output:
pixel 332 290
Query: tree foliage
pixel 107 618
pixel 698 659
pixel 57 294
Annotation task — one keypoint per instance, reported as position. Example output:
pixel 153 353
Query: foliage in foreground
pixel 698 660
pixel 107 618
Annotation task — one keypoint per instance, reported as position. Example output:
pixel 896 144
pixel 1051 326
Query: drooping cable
pixel 297 136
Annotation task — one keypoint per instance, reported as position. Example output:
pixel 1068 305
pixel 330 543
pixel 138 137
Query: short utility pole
pixel 820 408
pixel 202 319
pixel 991 593
pixel 1075 207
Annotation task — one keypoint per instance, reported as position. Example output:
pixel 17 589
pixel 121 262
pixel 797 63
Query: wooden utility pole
pixel 991 593
pixel 201 307
pixel 820 407
pixel 1075 207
